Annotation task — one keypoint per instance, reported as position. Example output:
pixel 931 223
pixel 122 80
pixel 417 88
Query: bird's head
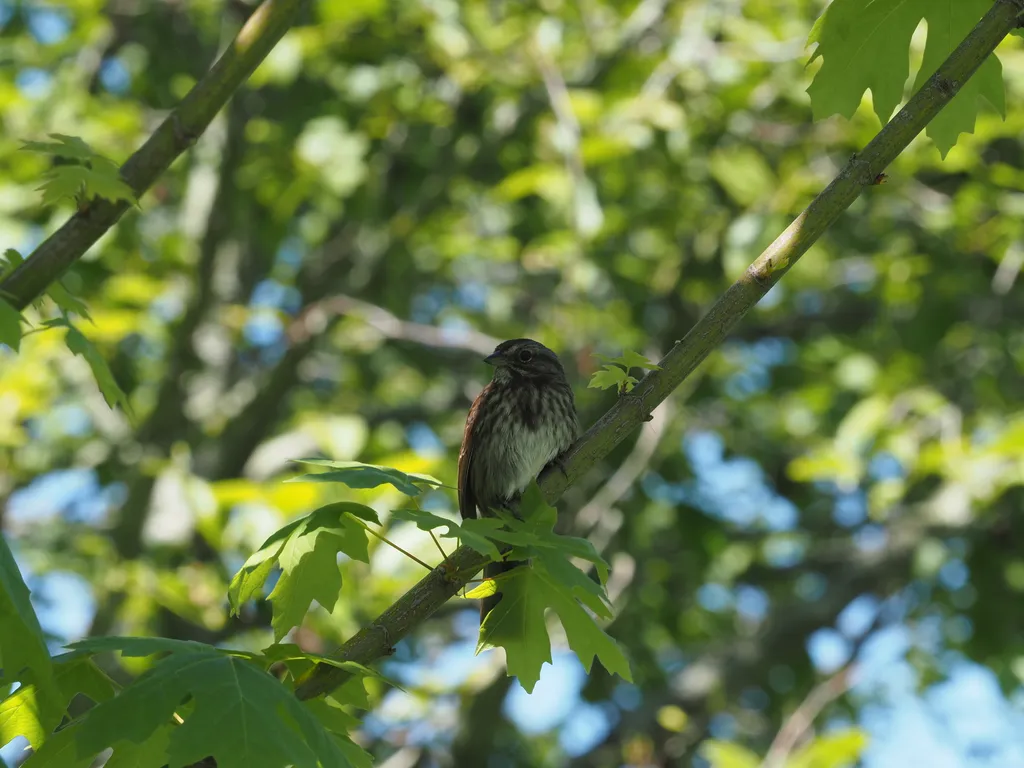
pixel 526 358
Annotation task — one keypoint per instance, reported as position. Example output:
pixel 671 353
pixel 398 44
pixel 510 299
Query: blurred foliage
pixel 400 186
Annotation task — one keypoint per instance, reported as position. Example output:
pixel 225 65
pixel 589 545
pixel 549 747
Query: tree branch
pixel 389 325
pixel 378 639
pixel 803 717
pixel 179 131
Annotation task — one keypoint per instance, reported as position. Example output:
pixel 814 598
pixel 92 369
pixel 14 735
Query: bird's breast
pixel 531 444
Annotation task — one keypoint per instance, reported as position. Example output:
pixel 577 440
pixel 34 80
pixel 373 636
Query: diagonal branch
pixel 378 639
pixel 181 128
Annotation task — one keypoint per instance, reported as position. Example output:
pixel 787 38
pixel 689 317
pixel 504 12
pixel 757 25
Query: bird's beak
pixel 494 359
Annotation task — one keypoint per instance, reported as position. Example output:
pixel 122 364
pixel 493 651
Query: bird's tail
pixel 490 571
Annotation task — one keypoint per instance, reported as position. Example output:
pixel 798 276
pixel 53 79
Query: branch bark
pixel 178 132
pixel 378 639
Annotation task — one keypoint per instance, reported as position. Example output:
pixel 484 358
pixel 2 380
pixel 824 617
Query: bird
pixel 522 421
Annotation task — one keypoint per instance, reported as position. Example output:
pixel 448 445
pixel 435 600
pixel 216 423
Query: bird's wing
pixel 467 500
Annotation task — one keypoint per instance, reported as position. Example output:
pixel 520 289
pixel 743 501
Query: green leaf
pixel 104 180
pixel 629 359
pixel 243 716
pixel 582 587
pixel 363 512
pixel 722 754
pixel 609 376
pixel 146 646
pixel 840 749
pixel 66 301
pixel 587 640
pixel 353 693
pixel 864 45
pixel 309 568
pixel 10 261
pixel 549 581
pixel 472 532
pixel 356 755
pixel 23 652
pixel 61 751
pixel 64 182
pixel 150 753
pixel 68 147
pixel 948 25
pixel 254 572
pixel 92 175
pixel 307 551
pixel 539 520
pixel 291 652
pixel 10 326
pixel 335 719
pixel 355 474
pixel 632 359
pixel 517 624
pixel 21 714
pixel 331 715
pixel 112 393
pixel 486 588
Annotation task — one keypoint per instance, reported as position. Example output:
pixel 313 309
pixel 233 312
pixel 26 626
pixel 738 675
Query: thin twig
pixel 802 719
pixel 388 324
pixel 561 105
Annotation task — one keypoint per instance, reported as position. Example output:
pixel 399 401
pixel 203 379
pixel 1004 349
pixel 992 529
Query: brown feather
pixel 467 499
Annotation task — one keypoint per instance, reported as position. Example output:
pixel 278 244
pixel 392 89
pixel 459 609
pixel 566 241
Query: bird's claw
pixel 559 462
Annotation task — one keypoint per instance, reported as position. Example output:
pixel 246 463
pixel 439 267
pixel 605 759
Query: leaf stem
pixel 390 543
pixel 437 543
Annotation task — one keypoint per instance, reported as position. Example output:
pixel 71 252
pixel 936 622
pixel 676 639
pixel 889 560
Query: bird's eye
pixel 525 356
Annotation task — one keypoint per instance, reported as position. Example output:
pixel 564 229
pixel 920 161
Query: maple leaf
pixel 549 581
pixel 23 652
pixel 864 45
pixel 10 326
pixel 242 716
pixel 21 715
pixel 109 388
pixel 355 474
pixel 518 625
pixel 611 376
pixel 64 182
pixel 307 552
pixel 471 535
pixel 68 147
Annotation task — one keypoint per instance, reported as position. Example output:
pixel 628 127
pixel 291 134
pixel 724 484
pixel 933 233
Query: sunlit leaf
pixel 864 45
pixel 21 713
pixel 355 474
pixel 10 326
pixel 112 393
pixel 307 551
pixel 722 754
pixel 23 652
pixel 69 147
pixel 469 533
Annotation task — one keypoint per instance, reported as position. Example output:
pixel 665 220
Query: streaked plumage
pixel 521 421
